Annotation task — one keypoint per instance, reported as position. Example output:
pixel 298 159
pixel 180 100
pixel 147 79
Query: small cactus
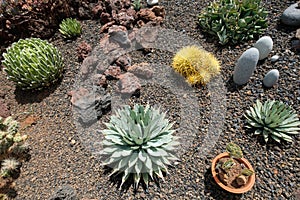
pixel 196 65
pixel 9 167
pixel 33 63
pixel 234 150
pixel 10 139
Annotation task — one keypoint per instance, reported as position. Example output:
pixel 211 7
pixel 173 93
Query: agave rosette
pixel 139 142
pixel 33 63
pixel 70 28
pixel 274 119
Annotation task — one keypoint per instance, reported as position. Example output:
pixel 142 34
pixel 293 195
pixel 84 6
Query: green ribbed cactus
pixel 33 63
pixel 70 28
pixel 11 141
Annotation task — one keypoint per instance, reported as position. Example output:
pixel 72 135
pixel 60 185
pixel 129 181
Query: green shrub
pixel 139 141
pixel 70 28
pixel 274 119
pixel 234 21
pixel 33 63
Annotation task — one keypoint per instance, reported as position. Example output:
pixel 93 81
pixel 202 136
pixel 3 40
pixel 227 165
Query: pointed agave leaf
pixel 142 156
pixel 145 178
pixel 275 138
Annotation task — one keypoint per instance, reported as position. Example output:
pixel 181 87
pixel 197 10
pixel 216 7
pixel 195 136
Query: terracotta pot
pixel 240 190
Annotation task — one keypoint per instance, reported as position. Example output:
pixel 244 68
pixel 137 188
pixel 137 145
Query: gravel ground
pixel 59 158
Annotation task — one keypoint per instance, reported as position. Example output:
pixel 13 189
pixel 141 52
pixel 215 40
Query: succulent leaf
pixel 273 119
pixel 70 28
pixel 233 21
pixel 139 141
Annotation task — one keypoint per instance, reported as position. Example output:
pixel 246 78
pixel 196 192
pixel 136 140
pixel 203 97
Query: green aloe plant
pixel 273 119
pixel 139 142
pixel 70 28
pixel 233 21
pixel 33 63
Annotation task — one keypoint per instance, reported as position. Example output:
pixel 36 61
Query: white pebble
pixel 152 2
pixel 274 58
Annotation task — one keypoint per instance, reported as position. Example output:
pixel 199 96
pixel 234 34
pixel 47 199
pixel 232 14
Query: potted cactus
pixel 232 172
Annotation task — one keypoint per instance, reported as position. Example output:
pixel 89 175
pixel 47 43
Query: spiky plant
pixel 9 167
pixel 11 141
pixel 234 21
pixel 70 28
pixel 234 150
pixel 33 63
pixel 273 119
pixel 196 65
pixel 139 141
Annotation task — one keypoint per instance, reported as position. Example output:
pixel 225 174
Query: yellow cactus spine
pixel 196 65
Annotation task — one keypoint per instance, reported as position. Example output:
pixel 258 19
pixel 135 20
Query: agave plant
pixel 139 142
pixel 70 28
pixel 33 63
pixel 234 21
pixel 273 119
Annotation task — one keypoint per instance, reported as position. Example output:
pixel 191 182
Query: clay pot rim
pixel 241 190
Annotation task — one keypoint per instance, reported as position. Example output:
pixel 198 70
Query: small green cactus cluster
pixel 196 65
pixel 11 141
pixel 139 142
pixel 9 167
pixel 273 119
pixel 33 63
pixel 234 150
pixel 70 28
pixel 233 21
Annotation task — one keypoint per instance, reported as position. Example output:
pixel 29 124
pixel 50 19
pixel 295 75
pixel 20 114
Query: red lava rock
pixel 78 94
pixel 83 50
pixel 129 83
pixel 105 18
pixel 4 110
pixel 146 36
pixel 100 80
pixel 146 14
pixel 97 10
pixel 125 18
pixel 142 70
pixel 159 11
pixel 88 65
pixel 124 62
pixel 30 120
pixel 112 72
pixel 119 34
pixel 106 26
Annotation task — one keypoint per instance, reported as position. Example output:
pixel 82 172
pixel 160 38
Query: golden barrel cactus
pixel 196 65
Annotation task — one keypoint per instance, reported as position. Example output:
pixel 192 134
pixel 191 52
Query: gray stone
pixel 264 46
pixel 119 34
pixel 64 193
pixel 245 66
pixel 274 58
pixel 89 104
pixel 291 15
pixel 271 78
